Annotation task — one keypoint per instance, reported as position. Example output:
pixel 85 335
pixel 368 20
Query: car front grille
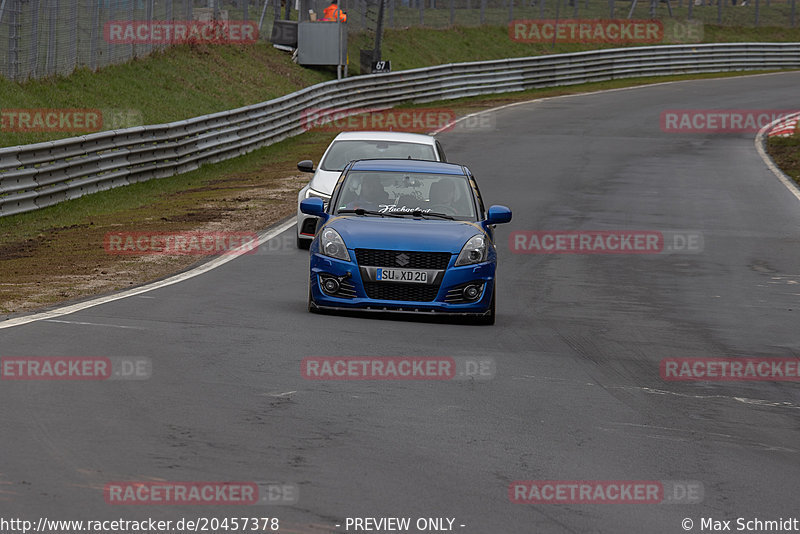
pixel 401 292
pixel 402 259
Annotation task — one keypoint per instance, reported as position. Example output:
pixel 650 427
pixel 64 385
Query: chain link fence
pixel 41 38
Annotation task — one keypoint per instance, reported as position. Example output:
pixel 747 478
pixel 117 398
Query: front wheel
pixel 311 307
pixel 489 318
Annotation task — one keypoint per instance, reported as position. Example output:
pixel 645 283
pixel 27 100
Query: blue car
pixel 403 235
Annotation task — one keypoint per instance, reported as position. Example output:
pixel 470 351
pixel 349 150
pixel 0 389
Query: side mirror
pixel 312 206
pixel 498 215
pixel 306 166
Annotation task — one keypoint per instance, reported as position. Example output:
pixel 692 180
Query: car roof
pixel 407 165
pixel 387 136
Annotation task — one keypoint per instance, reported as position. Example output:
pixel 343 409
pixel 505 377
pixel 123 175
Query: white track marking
pixel 785 180
pixel 208 266
pixel 213 264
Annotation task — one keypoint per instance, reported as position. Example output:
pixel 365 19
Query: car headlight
pixel 331 244
pixel 474 251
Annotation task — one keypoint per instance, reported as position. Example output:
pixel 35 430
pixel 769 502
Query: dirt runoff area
pixel 113 249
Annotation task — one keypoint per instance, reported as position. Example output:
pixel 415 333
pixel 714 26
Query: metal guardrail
pixel 42 174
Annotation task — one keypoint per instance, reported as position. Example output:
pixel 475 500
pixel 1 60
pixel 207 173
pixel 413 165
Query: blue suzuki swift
pixel 405 236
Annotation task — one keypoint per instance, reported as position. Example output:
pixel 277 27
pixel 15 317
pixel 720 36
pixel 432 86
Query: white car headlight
pixel 310 193
pixel 474 251
pixel 331 244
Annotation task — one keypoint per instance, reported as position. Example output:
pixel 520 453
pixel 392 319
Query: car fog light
pixel 472 291
pixel 331 285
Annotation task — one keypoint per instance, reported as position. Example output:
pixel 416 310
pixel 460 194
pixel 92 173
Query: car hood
pixel 324 181
pixel 403 234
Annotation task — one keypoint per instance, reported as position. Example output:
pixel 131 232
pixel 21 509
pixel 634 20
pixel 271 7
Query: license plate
pixel 402 275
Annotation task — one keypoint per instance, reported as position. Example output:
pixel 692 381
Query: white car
pixel 349 146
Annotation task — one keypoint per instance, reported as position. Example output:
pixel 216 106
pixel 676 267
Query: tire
pixel 489 318
pixel 311 307
pixel 303 244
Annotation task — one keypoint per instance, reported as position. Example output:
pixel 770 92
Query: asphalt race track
pixel 577 347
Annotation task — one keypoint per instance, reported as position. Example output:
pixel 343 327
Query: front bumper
pixel 353 294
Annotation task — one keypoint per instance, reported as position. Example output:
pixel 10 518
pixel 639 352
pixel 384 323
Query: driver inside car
pixel 442 193
pixel 371 195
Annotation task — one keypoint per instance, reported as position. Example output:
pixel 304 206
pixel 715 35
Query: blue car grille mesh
pixel 402 260
pixel 404 292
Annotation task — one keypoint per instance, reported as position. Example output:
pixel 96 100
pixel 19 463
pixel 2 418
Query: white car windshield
pixel 343 151
pixel 406 193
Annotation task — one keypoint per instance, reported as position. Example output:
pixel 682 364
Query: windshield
pixel 405 193
pixel 343 151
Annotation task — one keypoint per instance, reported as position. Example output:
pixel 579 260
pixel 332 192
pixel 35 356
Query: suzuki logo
pixel 402 260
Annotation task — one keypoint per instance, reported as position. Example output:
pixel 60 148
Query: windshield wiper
pixel 420 213
pixel 362 211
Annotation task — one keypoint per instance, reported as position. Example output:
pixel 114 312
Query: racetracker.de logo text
pixel 178 32
pixel 586 31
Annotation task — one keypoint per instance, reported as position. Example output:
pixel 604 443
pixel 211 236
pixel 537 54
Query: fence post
pixel 719 11
pixel 510 10
pixel 758 5
pixel 391 13
pixel 792 15
pixel 33 54
pixel 73 44
pixel 483 12
pixel 13 40
pixel 93 35
pixel 421 12
pixel 691 5
pixel 452 13
pixel 52 7
pixel 611 9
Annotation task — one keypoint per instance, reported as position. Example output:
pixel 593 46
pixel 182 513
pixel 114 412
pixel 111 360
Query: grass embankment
pixel 785 151
pixel 57 253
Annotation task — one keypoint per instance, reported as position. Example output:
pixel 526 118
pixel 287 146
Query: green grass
pixel 778 13
pixel 188 81
pixel 786 153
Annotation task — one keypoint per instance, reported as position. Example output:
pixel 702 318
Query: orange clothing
pixel 330 13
